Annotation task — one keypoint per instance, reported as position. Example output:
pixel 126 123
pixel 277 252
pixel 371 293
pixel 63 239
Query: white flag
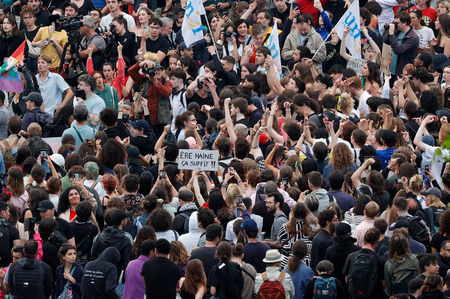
pixel 192 29
pixel 351 19
pixel 274 46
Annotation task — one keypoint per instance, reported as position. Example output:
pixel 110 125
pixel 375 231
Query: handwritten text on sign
pixel 191 159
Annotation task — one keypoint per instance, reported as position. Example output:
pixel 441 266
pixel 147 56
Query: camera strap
pixel 56 49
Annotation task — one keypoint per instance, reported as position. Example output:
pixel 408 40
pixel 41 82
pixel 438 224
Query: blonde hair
pixel 445 3
pixel 346 102
pixel 151 56
pixel 233 190
pixel 416 183
pixel 436 202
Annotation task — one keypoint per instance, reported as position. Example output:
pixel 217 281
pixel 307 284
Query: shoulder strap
pixel 292 236
pixel 431 215
pixel 246 272
pixel 112 95
pixel 56 49
pixel 6 144
pixel 281 277
pixel 264 276
pixel 353 218
pixel 330 197
pixel 79 135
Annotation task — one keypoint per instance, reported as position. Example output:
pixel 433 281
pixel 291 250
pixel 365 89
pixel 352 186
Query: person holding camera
pixel 93 40
pixel 156 86
pixel 51 42
pixel 121 36
pixel 405 44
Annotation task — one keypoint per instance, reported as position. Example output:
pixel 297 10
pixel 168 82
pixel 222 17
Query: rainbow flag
pixel 10 79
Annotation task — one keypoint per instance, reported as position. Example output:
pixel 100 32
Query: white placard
pixel 356 64
pixel 191 159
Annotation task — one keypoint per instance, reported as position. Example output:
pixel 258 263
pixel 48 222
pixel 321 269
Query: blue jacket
pixel 328 26
pixel 60 281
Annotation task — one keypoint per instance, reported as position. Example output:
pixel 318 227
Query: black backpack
pixel 83 251
pixel 28 278
pixel 418 230
pixel 45 121
pixel 5 249
pixel 362 275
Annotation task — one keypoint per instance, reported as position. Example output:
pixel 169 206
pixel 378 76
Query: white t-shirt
pixel 363 103
pixel 425 35
pixel 106 20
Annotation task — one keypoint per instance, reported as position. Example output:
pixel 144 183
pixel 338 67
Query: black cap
pixel 45 205
pixel 118 216
pixel 34 97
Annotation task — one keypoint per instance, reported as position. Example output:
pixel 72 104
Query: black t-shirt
pixel 378 287
pixel 242 121
pixel 86 8
pixel 201 101
pixel 160 44
pixel 83 229
pixel 161 276
pixel 436 241
pixel 64 228
pixel 207 256
pixel 30 35
pixel 282 16
pixel 254 253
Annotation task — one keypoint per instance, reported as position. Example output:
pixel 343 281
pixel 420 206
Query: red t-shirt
pixel 72 214
pixel 428 14
pixel 307 6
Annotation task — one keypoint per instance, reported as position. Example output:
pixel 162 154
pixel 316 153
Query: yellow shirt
pixel 50 50
pixel 266 36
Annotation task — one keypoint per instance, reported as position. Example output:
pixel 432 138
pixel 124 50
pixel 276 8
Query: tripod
pixel 73 50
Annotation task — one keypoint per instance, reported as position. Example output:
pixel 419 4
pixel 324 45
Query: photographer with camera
pixel 155 86
pixel 405 44
pixel 93 40
pixel 120 35
pixel 51 42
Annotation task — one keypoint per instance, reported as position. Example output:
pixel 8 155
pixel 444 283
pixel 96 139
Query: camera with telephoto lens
pixel 227 34
pixel 104 29
pixel 386 26
pixel 151 72
pixel 68 23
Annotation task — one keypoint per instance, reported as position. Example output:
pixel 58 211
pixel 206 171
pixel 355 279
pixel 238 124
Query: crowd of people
pixel 332 180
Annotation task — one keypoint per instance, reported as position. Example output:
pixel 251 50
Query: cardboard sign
pixel 386 56
pixel 191 159
pixel 356 64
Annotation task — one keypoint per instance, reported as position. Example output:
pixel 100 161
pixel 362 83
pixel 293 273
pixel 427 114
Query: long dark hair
pixel 63 115
pixel 374 73
pixel 64 203
pixel 15 29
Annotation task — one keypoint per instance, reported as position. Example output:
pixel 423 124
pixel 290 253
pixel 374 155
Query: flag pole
pixel 210 32
pixel 324 41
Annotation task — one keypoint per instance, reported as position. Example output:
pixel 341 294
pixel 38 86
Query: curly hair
pixel 178 253
pixel 160 220
pixel 145 233
pixel 429 101
pixel 112 153
pixel 64 203
pixel 444 225
pixel 117 203
pixel 397 122
pixel 346 102
pixel 341 156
